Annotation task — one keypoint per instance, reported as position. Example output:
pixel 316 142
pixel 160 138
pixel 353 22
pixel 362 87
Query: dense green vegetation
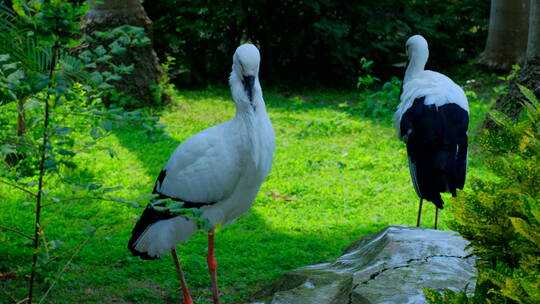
pixel 313 42
pixel 501 217
pixel 338 174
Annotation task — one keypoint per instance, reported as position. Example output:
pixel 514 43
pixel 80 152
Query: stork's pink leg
pixel 212 266
pixel 187 295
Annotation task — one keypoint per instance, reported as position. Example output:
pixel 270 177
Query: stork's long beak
pixel 249 81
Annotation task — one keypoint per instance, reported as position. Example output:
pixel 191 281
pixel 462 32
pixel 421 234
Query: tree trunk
pixel 507 36
pixel 533 45
pixel 114 13
pixel 529 76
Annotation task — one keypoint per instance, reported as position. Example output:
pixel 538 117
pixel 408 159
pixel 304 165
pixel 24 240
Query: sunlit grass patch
pixel 338 175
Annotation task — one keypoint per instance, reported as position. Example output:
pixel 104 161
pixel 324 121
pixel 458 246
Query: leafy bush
pixel 501 217
pixel 378 103
pixel 312 41
pixel 59 96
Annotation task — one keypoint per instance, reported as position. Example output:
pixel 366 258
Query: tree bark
pixel 533 45
pixel 529 76
pixel 507 36
pixel 114 13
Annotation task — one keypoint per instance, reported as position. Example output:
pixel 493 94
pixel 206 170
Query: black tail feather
pixel 439 203
pixel 149 217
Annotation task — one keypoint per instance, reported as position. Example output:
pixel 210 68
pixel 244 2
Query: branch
pixel 56 257
pixel 16 142
pixel 7 275
pixel 43 150
pixel 19 187
pixel 55 214
pixel 16 231
pixel 85 197
pixel 64 268
pixel 11 298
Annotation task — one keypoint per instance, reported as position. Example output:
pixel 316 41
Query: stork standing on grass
pixel 432 119
pixel 218 170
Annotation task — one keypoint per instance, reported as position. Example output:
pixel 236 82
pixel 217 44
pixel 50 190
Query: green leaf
pixel 93 187
pixel 9 66
pixel 104 58
pixel 50 163
pixel 100 51
pixel 159 208
pixel 105 86
pixel 42 83
pixel 64 130
pixel 96 77
pixel 528 93
pixel 107 190
pixel 177 208
pixel 107 125
pixel 523 228
pixel 7 149
pixel 96 133
pixel 15 77
pixel 65 152
pixel 69 164
pixel 55 244
pixel 4 57
pixel 114 77
pixel 117 49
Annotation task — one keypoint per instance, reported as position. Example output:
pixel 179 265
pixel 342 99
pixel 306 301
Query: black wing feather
pixel 437 146
pixel 151 215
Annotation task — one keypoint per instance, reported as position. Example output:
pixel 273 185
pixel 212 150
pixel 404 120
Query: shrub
pixel 501 217
pixel 312 41
pixel 59 96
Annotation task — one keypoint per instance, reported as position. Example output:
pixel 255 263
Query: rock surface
pixel 390 266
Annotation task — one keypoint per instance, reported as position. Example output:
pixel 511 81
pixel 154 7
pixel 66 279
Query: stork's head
pixel 417 46
pixel 245 69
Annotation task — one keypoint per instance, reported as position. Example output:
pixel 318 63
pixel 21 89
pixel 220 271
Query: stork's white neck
pixel 245 107
pixel 252 122
pixel 417 63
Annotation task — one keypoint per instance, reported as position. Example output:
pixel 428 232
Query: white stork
pixel 218 170
pixel 432 119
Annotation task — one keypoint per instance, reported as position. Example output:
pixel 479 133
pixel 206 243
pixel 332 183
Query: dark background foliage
pixel 312 41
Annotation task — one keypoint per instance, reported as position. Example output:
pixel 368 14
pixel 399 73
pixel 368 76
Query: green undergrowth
pixel 339 174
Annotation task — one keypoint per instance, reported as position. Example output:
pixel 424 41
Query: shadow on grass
pixel 250 254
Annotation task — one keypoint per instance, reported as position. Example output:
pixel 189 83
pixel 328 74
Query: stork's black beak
pixel 249 81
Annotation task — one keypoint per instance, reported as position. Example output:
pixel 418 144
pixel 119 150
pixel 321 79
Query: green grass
pixel 337 176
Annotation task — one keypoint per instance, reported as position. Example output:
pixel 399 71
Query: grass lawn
pixel 338 175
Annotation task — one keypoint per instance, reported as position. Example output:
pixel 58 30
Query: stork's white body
pixel 432 119
pixel 224 165
pixel 437 89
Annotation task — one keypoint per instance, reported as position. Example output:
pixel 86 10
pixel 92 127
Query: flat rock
pixel 390 266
